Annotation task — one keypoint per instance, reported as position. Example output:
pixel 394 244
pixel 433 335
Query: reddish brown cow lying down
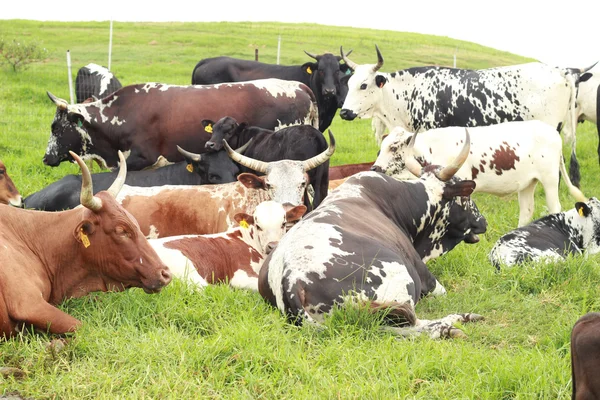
pixel 46 257
pixel 8 192
pixel 585 357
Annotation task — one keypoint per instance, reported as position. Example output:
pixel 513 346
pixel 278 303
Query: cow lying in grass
pixel 8 192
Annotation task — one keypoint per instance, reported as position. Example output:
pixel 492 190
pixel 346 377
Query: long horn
pixel 87 197
pixel 244 147
pixel 348 61
pixel 191 156
pixel 60 103
pixel 120 180
pixel 448 171
pixel 319 159
pixel 379 60
pixel 311 55
pixel 584 70
pixel 256 165
pixel 412 165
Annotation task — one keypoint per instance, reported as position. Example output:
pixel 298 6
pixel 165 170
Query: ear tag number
pixel 244 224
pixel 308 70
pixel 580 211
pixel 208 128
pixel 190 168
pixel 84 239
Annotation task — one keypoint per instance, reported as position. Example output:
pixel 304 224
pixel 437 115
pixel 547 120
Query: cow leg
pixel 438 328
pixel 45 317
pixel 550 185
pixel 526 204
pixel 574 173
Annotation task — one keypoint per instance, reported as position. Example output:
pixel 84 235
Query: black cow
pixel 585 357
pixel 368 242
pixel 151 119
pixel 327 78
pixel 198 169
pixel 94 81
pixel 299 142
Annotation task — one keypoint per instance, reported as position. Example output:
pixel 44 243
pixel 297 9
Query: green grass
pixel 225 343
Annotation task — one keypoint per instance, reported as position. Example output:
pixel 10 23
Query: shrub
pixel 19 54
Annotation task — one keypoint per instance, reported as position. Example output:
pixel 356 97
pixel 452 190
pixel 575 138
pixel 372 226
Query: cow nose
pixel 270 247
pixel 376 168
pixel 347 114
pixel 165 276
pixel 209 145
pixel 328 92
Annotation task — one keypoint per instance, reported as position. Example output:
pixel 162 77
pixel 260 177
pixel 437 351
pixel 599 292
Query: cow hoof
pixel 470 317
pixel 56 346
pixel 456 333
pixel 5 372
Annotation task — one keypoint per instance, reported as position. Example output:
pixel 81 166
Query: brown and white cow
pixel 506 158
pixel 585 357
pixel 233 257
pixel 172 210
pixel 346 170
pixel 8 192
pixel 48 257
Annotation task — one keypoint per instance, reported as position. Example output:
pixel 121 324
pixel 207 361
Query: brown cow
pixel 8 192
pixel 346 170
pixel 47 257
pixel 585 357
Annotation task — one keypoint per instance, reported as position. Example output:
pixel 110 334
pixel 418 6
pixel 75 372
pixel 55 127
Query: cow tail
pixel 570 129
pixel 394 313
pixel 573 190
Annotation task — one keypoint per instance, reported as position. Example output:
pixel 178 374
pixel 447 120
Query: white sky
pixel 555 32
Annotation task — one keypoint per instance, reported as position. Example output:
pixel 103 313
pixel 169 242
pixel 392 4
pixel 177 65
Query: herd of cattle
pixel 247 194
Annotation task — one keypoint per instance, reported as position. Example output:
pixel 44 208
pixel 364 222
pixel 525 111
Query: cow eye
pixel 121 231
pixel 363 86
pixel 2 172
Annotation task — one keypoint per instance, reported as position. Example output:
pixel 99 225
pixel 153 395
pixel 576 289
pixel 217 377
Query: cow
pixel 588 99
pixel 423 98
pixel 150 119
pixel 298 142
pixel 552 237
pixel 504 158
pixel 234 256
pixel 198 169
pixel 49 257
pixel 368 242
pixel 346 170
pixel 94 81
pixel 327 78
pixel 171 210
pixel 8 191
pixel 585 359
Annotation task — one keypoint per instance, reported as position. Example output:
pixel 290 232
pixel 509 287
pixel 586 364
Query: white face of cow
pixel 589 220
pixel 394 148
pixel 286 181
pixel 364 93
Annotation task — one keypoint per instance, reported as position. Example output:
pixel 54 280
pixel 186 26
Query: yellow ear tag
pixel 208 128
pixel 308 70
pixel 244 224
pixel 580 211
pixel 190 168
pixel 84 239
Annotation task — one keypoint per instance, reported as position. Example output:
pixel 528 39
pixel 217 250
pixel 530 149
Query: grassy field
pixel 225 343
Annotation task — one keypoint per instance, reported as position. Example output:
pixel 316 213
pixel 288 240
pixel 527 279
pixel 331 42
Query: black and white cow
pixel 368 242
pixel 588 99
pixel 423 98
pixel 552 237
pixel 95 81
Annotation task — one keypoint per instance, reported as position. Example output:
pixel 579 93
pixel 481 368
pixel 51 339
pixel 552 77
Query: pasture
pixel 226 343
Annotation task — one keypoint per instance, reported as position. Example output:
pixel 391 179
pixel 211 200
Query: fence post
pixel 256 54
pixel 110 44
pixel 278 48
pixel 70 77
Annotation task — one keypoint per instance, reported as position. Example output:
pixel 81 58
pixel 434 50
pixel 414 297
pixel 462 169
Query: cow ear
pixel 295 213
pixel 83 231
pixel 380 81
pixel 251 181
pixel 309 67
pixel 345 69
pixel 460 188
pixel 208 125
pixel 243 219
pixel 583 209
pixel 75 118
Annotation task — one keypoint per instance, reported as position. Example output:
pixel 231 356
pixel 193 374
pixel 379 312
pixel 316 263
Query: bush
pixel 19 54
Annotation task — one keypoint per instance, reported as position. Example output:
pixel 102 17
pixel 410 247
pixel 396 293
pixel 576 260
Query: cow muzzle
pixel 163 280
pixel 347 114
pixel 212 146
pixel 51 161
pixel 377 168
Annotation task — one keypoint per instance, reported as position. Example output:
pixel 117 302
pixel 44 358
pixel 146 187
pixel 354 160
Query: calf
pixel 8 192
pixel 49 257
pixel 552 237
pixel 585 357
pixel 504 159
pixel 233 257
pixel 367 242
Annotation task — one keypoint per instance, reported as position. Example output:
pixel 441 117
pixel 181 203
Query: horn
pixel 348 62
pixel 311 55
pixel 60 103
pixel 120 180
pixel 448 171
pixel 256 165
pixel 191 156
pixel 584 70
pixel 319 159
pixel 411 162
pixel 86 197
pixel 244 147
pixel 379 60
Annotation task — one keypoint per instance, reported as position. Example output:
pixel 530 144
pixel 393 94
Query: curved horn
pixel 86 197
pixel 379 60
pixel 244 147
pixel 448 171
pixel 319 159
pixel 584 70
pixel 311 55
pixel 256 165
pixel 60 103
pixel 411 163
pixel 348 62
pixel 191 156
pixel 120 179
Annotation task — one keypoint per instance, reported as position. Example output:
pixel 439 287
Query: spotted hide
pixel 367 243
pixel 551 238
pixel 422 98
pixel 506 158
pixel 585 357
pixel 95 82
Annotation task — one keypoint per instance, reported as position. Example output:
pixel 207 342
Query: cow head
pixel 364 89
pixel 112 243
pixel 223 129
pixel 589 221
pixel 326 74
pixel 393 153
pixel 268 223
pixel 213 167
pixel 8 192
pixel 284 180
pixel 69 132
